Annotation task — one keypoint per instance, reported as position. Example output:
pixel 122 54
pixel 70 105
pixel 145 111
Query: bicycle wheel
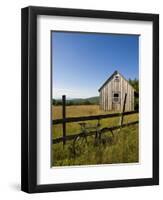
pixel 79 144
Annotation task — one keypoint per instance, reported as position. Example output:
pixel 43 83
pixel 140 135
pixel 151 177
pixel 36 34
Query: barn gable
pixel 111 77
pixel 112 93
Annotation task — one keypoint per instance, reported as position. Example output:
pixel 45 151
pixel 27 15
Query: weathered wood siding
pixel 121 87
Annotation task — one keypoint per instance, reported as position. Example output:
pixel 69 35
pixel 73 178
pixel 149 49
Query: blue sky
pixel 81 62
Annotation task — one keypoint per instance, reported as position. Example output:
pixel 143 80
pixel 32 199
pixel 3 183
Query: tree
pixel 54 102
pixel 135 84
pixel 87 102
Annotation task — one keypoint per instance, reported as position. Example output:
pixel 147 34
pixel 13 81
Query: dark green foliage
pixel 57 102
pixel 135 84
pixel 136 103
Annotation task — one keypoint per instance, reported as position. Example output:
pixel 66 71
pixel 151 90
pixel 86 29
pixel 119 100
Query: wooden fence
pixel 65 120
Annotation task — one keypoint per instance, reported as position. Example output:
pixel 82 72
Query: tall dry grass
pixel 123 148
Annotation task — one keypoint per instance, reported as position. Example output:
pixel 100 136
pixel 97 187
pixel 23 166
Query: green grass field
pixel 122 148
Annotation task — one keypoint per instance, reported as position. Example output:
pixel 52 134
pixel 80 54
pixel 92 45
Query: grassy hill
pixel 78 101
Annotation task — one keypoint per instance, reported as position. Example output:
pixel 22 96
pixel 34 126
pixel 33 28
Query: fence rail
pixel 93 117
pixel 103 130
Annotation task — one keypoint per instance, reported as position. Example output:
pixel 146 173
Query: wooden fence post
pixel 123 110
pixel 64 118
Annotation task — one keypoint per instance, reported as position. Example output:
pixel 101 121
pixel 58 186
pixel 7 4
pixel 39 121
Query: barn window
pixel 116 78
pixel 116 97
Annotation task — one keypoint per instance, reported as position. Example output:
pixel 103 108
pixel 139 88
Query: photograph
pixel 95 98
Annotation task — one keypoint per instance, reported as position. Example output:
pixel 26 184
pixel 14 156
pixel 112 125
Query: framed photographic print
pixel 90 99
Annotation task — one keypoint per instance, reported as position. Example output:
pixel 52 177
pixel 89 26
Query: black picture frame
pixel 29 99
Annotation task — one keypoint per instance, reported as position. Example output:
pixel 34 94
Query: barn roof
pixel 115 72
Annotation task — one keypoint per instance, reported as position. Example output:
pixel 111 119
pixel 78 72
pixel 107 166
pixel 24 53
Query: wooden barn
pixel 112 93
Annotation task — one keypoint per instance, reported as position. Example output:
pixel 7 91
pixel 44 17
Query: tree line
pixel 135 85
pixel 75 102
